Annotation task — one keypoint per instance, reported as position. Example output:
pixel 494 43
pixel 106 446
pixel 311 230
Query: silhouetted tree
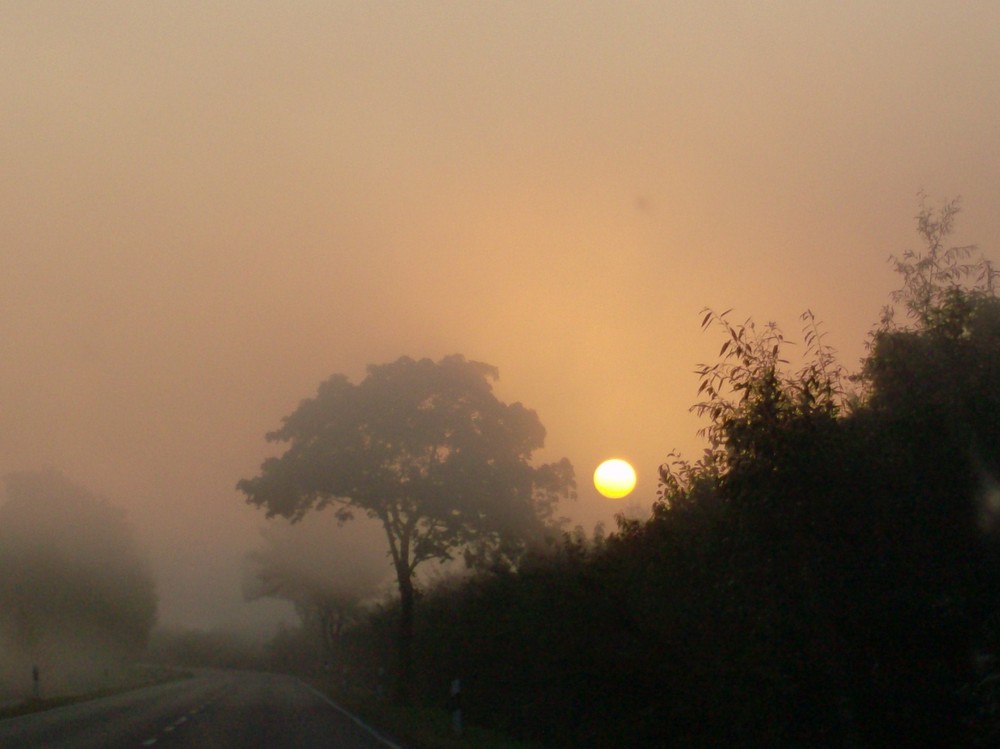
pixel 429 451
pixel 933 416
pixel 852 528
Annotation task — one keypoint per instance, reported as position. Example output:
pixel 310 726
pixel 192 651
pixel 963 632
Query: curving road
pixel 213 710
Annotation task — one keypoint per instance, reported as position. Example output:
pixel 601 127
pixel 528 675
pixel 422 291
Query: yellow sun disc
pixel 614 478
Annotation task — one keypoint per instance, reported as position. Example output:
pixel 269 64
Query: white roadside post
pixel 455 704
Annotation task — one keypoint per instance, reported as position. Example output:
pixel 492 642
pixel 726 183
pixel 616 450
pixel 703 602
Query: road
pixel 212 710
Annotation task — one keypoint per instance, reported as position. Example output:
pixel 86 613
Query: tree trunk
pixel 404 673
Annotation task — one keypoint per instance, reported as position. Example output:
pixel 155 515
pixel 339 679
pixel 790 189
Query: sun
pixel 614 478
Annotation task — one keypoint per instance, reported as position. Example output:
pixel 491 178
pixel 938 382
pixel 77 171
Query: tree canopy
pixel 856 530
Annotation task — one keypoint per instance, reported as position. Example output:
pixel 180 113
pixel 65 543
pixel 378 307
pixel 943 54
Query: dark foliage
pixel 825 576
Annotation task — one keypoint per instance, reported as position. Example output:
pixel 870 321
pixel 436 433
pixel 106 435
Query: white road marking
pixel 149 742
pixel 352 716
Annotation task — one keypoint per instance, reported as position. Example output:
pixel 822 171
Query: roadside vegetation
pixel 135 676
pixel 827 574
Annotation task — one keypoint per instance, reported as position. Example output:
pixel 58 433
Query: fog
pixel 319 556
pixel 208 210
pixel 77 600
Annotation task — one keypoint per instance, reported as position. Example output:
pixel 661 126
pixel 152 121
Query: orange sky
pixel 208 208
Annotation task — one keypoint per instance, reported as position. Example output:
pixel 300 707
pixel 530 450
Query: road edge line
pixel 352 716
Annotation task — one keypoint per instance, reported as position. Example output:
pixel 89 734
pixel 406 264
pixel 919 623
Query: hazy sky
pixel 209 207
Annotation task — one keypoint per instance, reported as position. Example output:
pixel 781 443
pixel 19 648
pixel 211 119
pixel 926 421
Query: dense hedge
pixel 828 575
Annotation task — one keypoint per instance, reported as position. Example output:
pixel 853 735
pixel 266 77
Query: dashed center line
pixel 179 722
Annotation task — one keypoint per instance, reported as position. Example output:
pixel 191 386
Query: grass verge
pixel 143 676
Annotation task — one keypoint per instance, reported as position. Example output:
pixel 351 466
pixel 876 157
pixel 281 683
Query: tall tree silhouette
pixel 428 450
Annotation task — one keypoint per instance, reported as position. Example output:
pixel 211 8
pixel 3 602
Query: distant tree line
pixel 827 574
pixel 77 599
pixel 223 648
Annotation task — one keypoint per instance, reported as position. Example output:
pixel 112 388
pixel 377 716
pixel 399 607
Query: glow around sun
pixel 614 478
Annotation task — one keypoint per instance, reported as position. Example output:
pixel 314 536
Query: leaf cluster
pixel 938 279
pixel 753 390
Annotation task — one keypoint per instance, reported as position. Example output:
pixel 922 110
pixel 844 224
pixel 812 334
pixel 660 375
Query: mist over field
pixel 210 210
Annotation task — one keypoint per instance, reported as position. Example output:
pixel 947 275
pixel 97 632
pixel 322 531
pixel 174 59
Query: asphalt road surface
pixel 212 710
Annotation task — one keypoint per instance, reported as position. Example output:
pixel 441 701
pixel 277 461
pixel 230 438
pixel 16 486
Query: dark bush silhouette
pixel 826 575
